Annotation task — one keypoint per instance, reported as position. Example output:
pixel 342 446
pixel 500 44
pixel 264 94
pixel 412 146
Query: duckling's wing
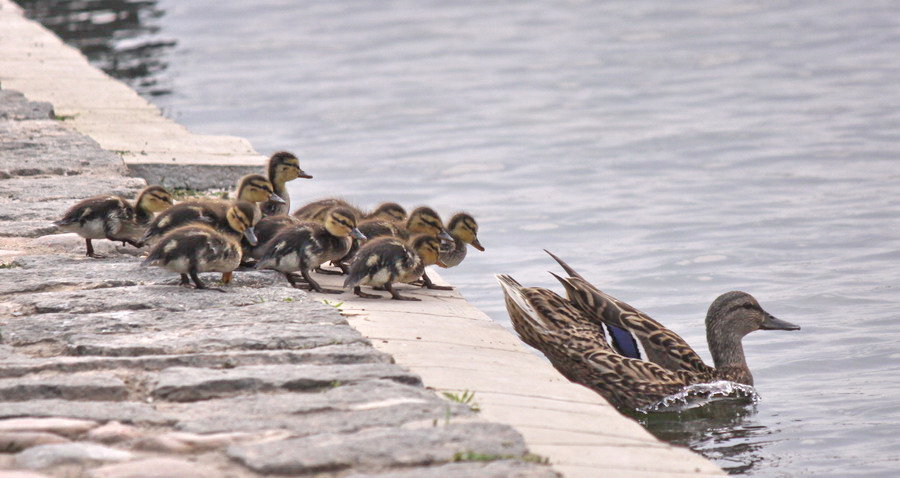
pixel 92 208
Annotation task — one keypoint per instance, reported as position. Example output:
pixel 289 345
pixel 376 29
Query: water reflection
pixel 118 36
pixel 724 431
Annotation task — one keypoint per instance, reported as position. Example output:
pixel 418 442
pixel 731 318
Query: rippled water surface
pixel 670 151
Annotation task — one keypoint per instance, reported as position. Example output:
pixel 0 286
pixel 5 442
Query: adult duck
pixel 569 331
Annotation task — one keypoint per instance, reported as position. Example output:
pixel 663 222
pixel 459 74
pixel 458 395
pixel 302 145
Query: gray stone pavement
pixel 108 369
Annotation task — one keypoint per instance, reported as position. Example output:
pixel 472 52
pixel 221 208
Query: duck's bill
pixel 358 234
pixel 771 323
pixel 276 198
pixel 477 245
pixel 303 174
pixel 441 264
pixel 445 236
pixel 251 236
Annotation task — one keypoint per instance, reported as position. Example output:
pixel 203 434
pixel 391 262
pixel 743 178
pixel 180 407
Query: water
pixel 670 151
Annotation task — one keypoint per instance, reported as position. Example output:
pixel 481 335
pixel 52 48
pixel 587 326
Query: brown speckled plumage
pixel 569 331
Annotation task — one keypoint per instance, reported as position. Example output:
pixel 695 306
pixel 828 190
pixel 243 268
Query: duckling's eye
pixel 747 306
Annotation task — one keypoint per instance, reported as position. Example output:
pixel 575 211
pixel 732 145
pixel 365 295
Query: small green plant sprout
pixel 474 456
pixel 535 458
pixel 65 117
pixel 288 299
pixel 335 304
pixel 9 265
pixel 466 397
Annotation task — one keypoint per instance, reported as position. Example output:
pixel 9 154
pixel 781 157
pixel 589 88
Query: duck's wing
pixel 662 346
pixel 576 348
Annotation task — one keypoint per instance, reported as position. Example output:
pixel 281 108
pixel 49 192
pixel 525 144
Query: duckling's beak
pixel 445 236
pixel 358 234
pixel 251 236
pixel 302 174
pixel 771 323
pixel 440 263
pixel 477 245
pixel 276 198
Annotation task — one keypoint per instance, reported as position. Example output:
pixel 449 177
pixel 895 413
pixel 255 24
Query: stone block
pixel 160 467
pixel 182 384
pixel 84 454
pixel 379 448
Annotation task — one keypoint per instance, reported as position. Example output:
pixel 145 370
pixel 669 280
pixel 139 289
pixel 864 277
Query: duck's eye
pixel 747 306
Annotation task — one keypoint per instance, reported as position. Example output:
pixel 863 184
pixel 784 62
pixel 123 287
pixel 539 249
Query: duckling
pixel 266 229
pixel 308 245
pixel 464 230
pixel 252 188
pixel 316 210
pixel 423 220
pixel 283 167
pixel 390 211
pixel 198 247
pixel 384 261
pixel 113 217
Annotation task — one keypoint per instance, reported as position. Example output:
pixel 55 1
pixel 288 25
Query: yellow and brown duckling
pixel 317 210
pixel 195 248
pixel 266 229
pixel 283 167
pixel 423 220
pixel 464 229
pixel 252 188
pixel 569 331
pixel 387 260
pixel 389 211
pixel 308 245
pixel 114 217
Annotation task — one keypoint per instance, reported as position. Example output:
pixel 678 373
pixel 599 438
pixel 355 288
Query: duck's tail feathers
pixel 513 291
pixel 565 266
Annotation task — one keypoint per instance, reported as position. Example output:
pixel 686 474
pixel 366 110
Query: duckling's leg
pixel 200 285
pixel 313 285
pixel 431 285
pixel 90 250
pixel 328 272
pixel 396 295
pixel 185 280
pixel 292 278
pixel 358 291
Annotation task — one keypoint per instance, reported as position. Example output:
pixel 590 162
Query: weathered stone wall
pixel 108 369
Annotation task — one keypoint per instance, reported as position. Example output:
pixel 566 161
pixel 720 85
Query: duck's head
pixel 256 188
pixel 242 217
pixel 463 227
pixel 390 211
pixel 284 167
pixel 154 199
pixel 341 222
pixel 428 248
pixel 424 220
pixel 737 314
